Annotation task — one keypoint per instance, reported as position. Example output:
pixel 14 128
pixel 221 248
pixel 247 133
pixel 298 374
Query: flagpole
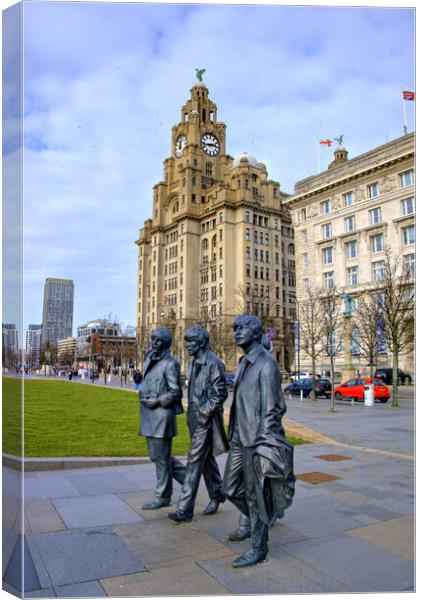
pixel 405 120
pixel 318 155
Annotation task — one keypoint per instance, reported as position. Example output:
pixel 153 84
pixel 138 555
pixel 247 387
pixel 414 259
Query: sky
pixel 104 83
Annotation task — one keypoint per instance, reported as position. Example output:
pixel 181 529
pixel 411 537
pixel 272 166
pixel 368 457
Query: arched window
pixel 291 249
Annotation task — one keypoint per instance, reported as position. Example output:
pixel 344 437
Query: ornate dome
pixel 245 158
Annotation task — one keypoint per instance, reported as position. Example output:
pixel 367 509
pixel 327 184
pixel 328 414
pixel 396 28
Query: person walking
pixel 137 379
pixel 160 401
pixel 207 391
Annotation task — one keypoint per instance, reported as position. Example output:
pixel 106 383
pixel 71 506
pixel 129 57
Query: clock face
pixel 180 144
pixel 210 144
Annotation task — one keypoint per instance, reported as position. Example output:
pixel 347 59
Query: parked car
pixel 295 375
pixel 323 387
pixel 354 389
pixel 386 373
pixel 230 376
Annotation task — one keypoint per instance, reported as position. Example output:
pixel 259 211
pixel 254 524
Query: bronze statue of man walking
pixel 258 476
pixel 207 391
pixel 160 402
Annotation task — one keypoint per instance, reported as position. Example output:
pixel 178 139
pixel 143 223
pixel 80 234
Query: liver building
pixel 219 243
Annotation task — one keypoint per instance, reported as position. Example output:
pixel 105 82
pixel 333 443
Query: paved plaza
pixel 349 529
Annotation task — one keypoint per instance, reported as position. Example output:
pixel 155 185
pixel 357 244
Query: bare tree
pixel 367 319
pixel 312 328
pixel 397 287
pixel 333 331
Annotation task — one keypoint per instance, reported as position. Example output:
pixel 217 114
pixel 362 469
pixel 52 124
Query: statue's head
pixel 197 339
pixel 250 322
pixel 161 339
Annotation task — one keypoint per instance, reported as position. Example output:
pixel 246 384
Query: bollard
pixel 369 395
pixel 301 395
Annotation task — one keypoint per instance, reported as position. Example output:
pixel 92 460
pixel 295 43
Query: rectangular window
pixel 305 284
pixel 247 216
pixel 350 224
pixel 373 190
pixel 328 255
pixel 327 230
pixel 352 275
pixel 377 270
pixel 303 215
pixel 351 249
pixel 325 207
pixel 328 280
pixel 305 236
pixel 409 235
pixel 375 215
pixel 408 206
pixel 409 263
pixel 248 255
pixel 248 234
pixel 406 178
pixel 377 243
pixel 305 259
pixel 347 199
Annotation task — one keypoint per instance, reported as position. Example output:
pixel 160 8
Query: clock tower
pixel 196 261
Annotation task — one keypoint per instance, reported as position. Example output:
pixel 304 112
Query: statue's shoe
pixel 251 557
pixel 241 533
pixel 212 507
pixel 155 504
pixel 180 516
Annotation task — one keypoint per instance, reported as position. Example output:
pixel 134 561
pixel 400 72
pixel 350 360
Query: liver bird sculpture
pixel 199 74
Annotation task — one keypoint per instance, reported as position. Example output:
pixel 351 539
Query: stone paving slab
pixel 396 535
pixel 135 501
pixel 363 566
pixel 15 569
pixel 161 543
pixel 94 511
pixel 44 486
pixel 279 574
pixel 85 555
pixel 179 580
pixel 105 482
pixel 42 516
pixel 90 589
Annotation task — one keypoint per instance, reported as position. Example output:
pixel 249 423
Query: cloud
pixel 104 84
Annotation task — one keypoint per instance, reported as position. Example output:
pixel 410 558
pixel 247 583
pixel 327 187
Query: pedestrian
pixel 137 379
pixel 160 401
pixel 70 374
pixel 207 392
pixel 258 477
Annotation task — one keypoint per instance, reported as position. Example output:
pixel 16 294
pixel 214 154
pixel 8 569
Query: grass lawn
pixel 65 418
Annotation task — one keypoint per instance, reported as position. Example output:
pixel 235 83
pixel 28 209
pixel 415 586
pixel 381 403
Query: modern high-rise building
pixel 220 241
pixel 57 316
pixel 345 219
pixel 33 345
pixel 10 345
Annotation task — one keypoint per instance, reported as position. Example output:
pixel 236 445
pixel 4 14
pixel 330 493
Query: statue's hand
pixel 150 402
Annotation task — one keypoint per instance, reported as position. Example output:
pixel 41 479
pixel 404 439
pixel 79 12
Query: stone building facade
pixel 345 218
pixel 219 242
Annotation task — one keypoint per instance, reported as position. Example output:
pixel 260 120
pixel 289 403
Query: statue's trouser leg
pixel 159 450
pixel 259 530
pixel 239 487
pixel 178 470
pixel 199 450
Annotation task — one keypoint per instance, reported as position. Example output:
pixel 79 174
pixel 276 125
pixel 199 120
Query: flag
pixel 408 95
pixel 325 143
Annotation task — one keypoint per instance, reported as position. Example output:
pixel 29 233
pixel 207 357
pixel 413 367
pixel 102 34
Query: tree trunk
pixel 313 378
pixel 332 379
pixel 395 400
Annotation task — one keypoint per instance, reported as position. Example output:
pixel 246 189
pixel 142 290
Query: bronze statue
pixel 207 391
pixel 160 402
pixel 258 477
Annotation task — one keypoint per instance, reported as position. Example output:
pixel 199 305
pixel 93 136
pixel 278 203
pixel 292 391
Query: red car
pixel 354 389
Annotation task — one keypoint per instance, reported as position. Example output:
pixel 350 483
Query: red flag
pixel 325 142
pixel 408 95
